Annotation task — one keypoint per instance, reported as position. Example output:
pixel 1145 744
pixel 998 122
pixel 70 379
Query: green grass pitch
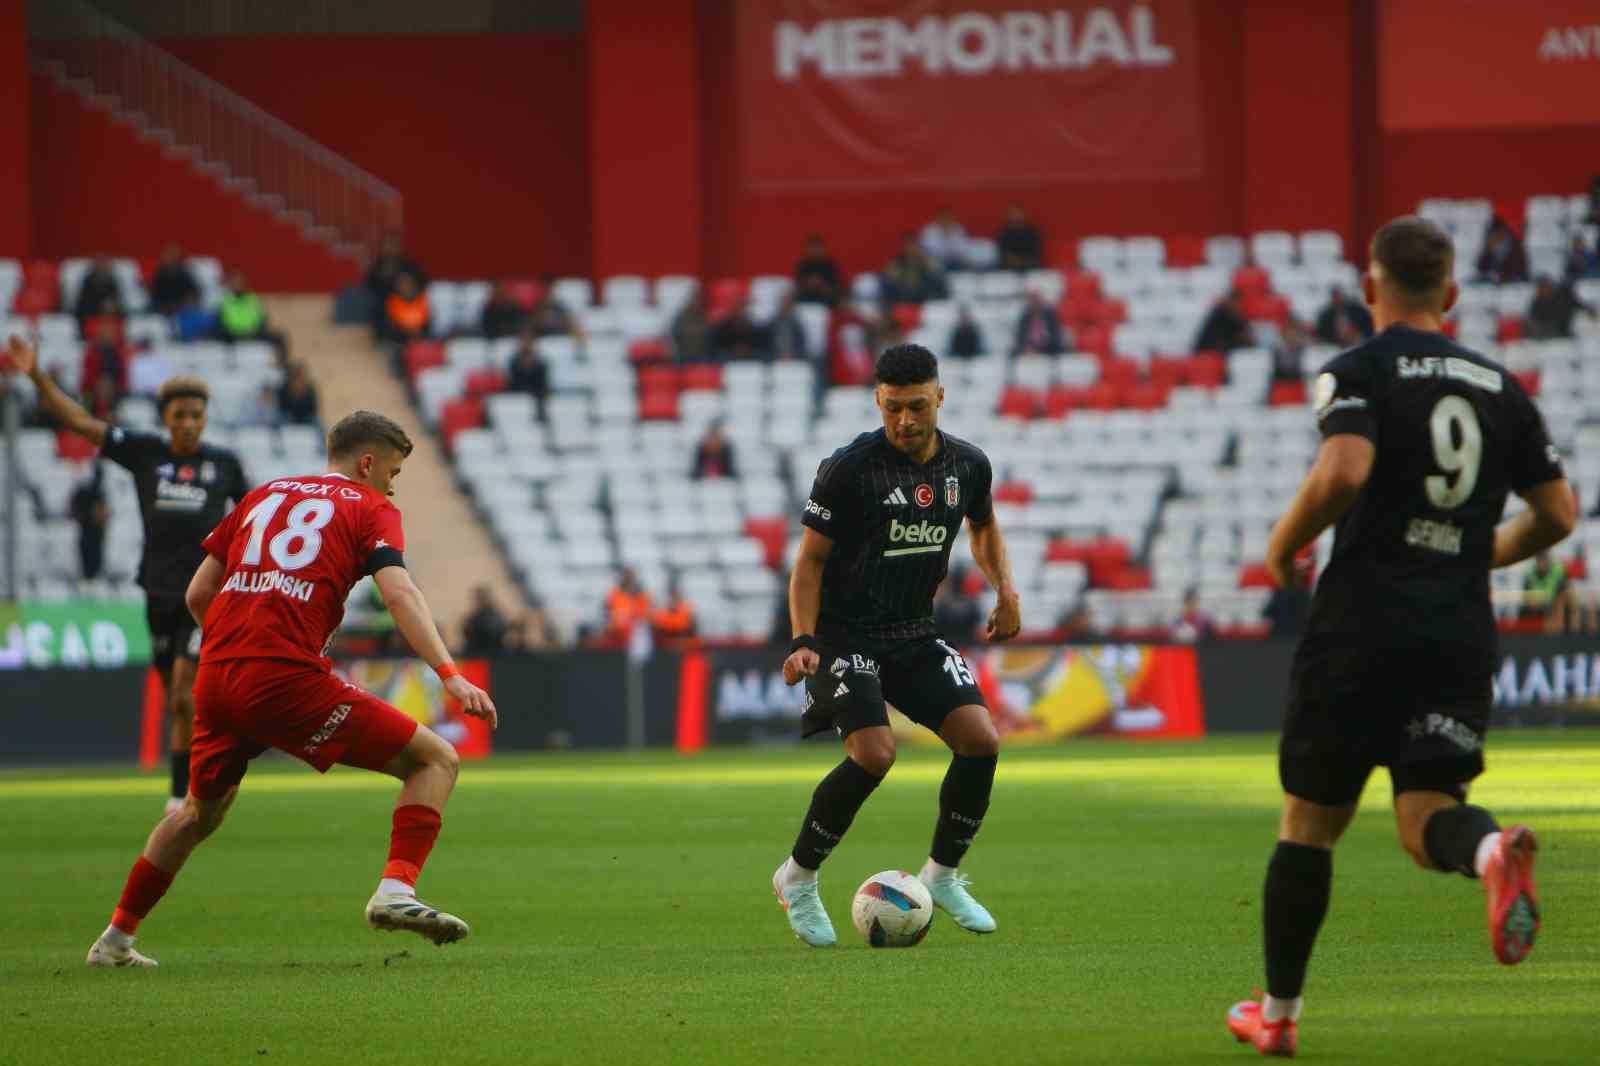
pixel 622 913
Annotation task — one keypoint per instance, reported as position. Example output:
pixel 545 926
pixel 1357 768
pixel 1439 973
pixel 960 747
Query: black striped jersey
pixel 893 522
pixel 1455 433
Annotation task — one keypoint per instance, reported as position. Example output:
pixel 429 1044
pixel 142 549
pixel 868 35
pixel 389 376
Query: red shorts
pixel 242 707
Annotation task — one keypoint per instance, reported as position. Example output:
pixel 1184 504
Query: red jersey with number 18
pixel 291 550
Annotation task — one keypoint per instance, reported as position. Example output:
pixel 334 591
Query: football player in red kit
pixel 269 595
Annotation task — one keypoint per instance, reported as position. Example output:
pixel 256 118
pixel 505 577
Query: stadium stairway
pixel 447 549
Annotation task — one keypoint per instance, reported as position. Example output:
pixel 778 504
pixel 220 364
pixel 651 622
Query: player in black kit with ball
pixel 1422 442
pixel 880 523
pixel 185 487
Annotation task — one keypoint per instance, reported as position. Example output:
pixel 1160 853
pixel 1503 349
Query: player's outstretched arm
pixel 1343 463
pixel 415 622
pixel 203 588
pixel 62 408
pixel 989 552
pixel 805 602
pixel 1551 517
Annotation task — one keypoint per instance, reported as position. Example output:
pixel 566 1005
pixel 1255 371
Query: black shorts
pixel 925 679
pixel 1351 710
pixel 173 631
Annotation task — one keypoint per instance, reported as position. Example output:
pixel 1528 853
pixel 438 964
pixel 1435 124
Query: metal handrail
pixel 223 127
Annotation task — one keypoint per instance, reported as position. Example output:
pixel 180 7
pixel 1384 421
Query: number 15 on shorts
pixel 954 665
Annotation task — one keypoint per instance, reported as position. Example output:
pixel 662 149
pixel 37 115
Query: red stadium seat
pixel 41 272
pixel 725 296
pixel 1123 372
pixel 1168 371
pixel 1252 281
pixel 1265 307
pixel 1530 381
pixel 1111 312
pixel 1084 285
pixel 457 415
pixel 420 355
pixel 658 406
pixel 1287 393
pixel 973 583
pixel 1577 569
pixel 485 382
pixel 1013 492
pixel 657 378
pixel 907 316
pixel 773 533
pixel 1254 576
pixel 526 293
pixel 74 448
pixel 1094 339
pixel 1146 396
pixel 1207 370
pixel 1077 312
pixel 1450 328
pixel 1510 329
pixel 1127 579
pixel 1106 396
pixel 649 350
pixel 1062 400
pixel 1186 250
pixel 700 376
pixel 34 300
pixel 1016 402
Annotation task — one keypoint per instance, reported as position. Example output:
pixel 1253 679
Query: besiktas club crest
pixel 952 491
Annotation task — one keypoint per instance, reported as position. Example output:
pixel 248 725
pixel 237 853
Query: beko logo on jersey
pixel 173 492
pixel 928 536
pixel 813 507
pixel 270 581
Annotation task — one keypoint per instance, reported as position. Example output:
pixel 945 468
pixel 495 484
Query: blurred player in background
pixel 271 592
pixel 185 487
pixel 880 523
pixel 1422 442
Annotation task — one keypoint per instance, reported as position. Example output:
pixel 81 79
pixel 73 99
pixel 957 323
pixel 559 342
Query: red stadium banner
pixel 872 93
pixel 1460 64
pixel 405 683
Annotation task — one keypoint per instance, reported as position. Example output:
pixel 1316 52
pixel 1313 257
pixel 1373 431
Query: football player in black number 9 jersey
pixel 880 523
pixel 1422 442
pixel 185 488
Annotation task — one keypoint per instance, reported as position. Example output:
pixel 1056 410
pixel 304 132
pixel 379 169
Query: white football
pixel 892 909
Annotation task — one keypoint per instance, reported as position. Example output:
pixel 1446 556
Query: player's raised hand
pixel 473 700
pixel 1005 621
pixel 20 355
pixel 803 663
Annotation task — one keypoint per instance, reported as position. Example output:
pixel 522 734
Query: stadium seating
pixel 52 466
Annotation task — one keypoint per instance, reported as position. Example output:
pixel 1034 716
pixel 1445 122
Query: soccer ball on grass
pixel 892 909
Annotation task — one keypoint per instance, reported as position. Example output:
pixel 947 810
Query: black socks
pixel 833 807
pixel 1452 835
pixel 180 774
pixel 1294 901
pixel 963 801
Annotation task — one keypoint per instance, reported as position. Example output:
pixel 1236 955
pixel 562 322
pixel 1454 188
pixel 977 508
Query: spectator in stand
pixel 1503 258
pixel 101 399
pixel 816 276
pixel 1193 625
pixel 405 312
pixel 1582 262
pixel 1551 313
pixel 297 398
pixel 713 456
pixel 674 622
pixel 552 318
pixel 483 631
pixel 852 336
pixel 1544 588
pixel 1288 606
pixel 785 334
pixel 194 321
pixel 96 291
pixel 956 614
pixel 945 241
pixel 1225 328
pixel 1039 330
pixel 529 632
pixel 912 277
pixel 737 336
pixel 966 339
pixel 1288 354
pixel 173 284
pixel 529 373
pixel 242 317
pixel 627 605
pixel 691 331
pixel 502 315
pixel 89 509
pixel 106 356
pixel 1019 242
pixel 1344 322
pixel 383 275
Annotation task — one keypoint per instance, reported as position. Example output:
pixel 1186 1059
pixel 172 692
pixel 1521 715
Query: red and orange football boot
pixel 1508 889
pixel 1270 1038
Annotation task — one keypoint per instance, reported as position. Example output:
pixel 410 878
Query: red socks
pixel 415 829
pixel 147 883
